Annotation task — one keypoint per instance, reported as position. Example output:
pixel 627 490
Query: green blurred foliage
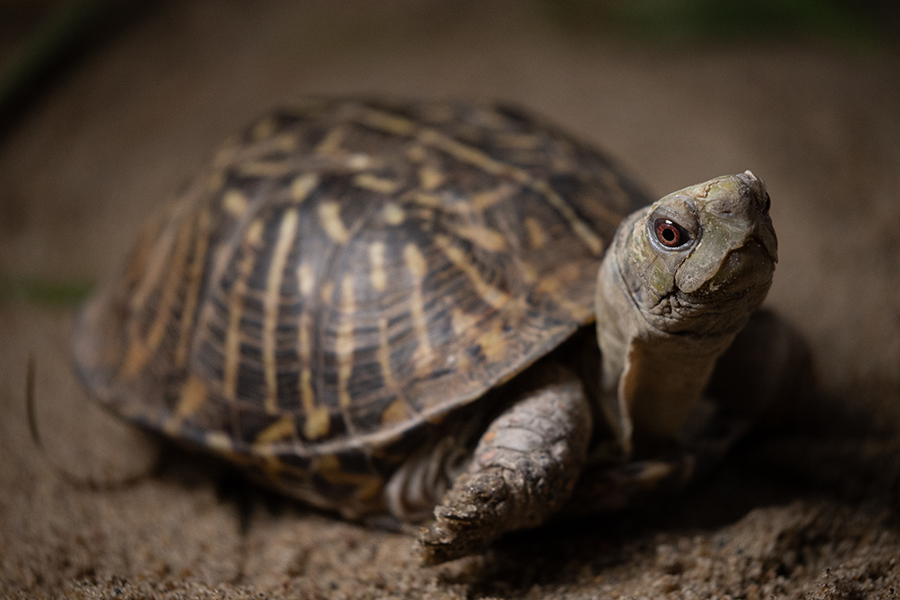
pixel 860 21
pixel 35 291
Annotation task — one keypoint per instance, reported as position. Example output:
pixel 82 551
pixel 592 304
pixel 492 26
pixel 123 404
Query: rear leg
pixel 767 374
pixel 522 471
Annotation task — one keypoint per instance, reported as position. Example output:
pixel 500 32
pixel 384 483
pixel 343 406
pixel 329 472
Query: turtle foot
pixel 469 520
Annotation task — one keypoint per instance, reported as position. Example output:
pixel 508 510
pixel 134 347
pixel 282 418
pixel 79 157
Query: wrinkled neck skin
pixel 659 343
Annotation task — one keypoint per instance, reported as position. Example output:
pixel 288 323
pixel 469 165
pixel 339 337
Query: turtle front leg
pixel 524 468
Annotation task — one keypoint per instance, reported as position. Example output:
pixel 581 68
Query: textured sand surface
pixel 807 508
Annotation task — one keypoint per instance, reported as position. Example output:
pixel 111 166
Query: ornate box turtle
pixel 389 307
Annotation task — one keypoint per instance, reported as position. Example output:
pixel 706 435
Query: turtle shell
pixel 343 276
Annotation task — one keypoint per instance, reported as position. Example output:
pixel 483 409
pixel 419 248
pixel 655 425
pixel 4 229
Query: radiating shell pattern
pixel 345 275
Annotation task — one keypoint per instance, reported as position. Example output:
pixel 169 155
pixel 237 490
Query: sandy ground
pixel 807 508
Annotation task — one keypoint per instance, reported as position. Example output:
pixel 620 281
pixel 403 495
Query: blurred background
pixel 108 107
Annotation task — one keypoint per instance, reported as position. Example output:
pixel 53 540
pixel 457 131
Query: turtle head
pixel 701 259
pixel 679 281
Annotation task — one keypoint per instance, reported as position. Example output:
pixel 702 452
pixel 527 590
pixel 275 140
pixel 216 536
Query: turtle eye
pixel 670 234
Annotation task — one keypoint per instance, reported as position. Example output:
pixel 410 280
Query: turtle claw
pixel 471 517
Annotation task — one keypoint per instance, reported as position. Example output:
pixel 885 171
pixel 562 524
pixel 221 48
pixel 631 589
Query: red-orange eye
pixel 670 234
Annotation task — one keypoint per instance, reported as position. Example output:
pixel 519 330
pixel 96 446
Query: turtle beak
pixel 758 205
pixel 735 217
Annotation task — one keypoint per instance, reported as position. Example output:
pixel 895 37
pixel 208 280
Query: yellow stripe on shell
pixel 384 121
pixel 384 355
pixel 140 350
pixel 519 141
pixel 468 154
pixel 236 308
pixel 287 232
pixel 369 489
pixel 265 168
pixel 537 237
pixel 331 142
pixel 376 261
pixel 330 218
pixel 367 485
pixel 326 291
pixel 285 142
pixel 483 237
pixel 193 396
pixel 492 341
pixel 416 153
pixel 555 286
pixel 358 161
pixel 430 178
pixel 306 278
pixel 302 186
pixel 372 183
pixel 418 268
pixel 483 200
pixel 429 200
pixel 529 273
pixel 318 423
pixel 154 265
pixel 195 276
pixel 282 429
pixel 462 322
pixel 264 128
pixel 344 345
pixel 581 229
pixel 487 291
pixel 482 160
pixel 218 441
pixel 397 412
pixel 304 335
pixel 393 213
pixel 234 202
